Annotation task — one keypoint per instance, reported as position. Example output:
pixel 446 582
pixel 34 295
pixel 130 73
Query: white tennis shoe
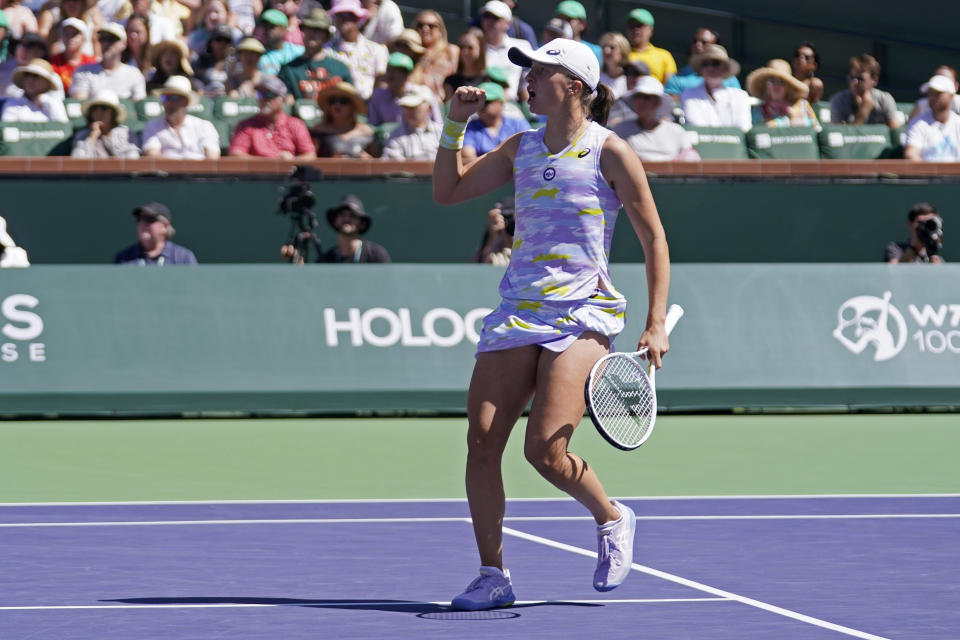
pixel 490 590
pixel 615 553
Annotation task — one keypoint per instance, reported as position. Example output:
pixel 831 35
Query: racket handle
pixel 674 313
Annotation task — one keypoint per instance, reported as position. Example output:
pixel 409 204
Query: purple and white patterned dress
pixel 557 284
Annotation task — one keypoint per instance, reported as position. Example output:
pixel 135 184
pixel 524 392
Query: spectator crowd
pixel 357 80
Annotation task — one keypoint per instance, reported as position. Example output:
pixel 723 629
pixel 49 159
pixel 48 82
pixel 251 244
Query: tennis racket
pixel 621 397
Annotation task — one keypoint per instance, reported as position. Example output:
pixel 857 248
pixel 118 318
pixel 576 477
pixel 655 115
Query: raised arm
pixel 452 183
pixel 623 171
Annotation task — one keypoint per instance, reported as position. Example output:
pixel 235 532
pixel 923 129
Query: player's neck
pixel 562 131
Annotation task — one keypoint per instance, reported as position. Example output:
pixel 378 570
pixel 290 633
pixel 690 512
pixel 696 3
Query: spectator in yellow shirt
pixel 639 31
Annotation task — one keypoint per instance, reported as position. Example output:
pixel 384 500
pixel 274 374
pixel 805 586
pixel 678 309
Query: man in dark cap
pixel 319 67
pixel 351 221
pixel 272 133
pixel 154 229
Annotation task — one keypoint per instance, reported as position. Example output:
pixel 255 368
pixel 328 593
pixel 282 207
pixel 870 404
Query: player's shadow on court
pixel 420 609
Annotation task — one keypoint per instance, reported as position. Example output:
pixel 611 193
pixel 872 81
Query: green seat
pixel 233 110
pixel 36 139
pixel 718 143
pixel 225 131
pixel 150 108
pixel 822 109
pixel 783 143
pixel 382 131
pixel 308 111
pixel 903 112
pixel 855 142
pixel 74 109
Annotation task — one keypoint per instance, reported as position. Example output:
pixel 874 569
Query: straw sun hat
pixel 779 69
pixel 36 67
pixel 341 89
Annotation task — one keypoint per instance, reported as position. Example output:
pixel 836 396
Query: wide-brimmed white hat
pixel 105 98
pixel 37 67
pixel 178 86
pixel 575 57
pixel 943 84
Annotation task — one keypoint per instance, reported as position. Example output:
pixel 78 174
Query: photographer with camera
pixel 926 237
pixel 497 242
pixel 348 218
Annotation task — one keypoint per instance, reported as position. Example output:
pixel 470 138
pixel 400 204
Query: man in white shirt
pixel 496 18
pixel 934 135
pixel 653 139
pixel 178 134
pixel 417 137
pixel 110 73
pixel 712 104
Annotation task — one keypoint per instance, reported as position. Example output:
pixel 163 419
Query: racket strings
pixel 623 400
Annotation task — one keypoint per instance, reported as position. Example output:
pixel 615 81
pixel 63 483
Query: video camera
pixel 930 233
pixel 297 204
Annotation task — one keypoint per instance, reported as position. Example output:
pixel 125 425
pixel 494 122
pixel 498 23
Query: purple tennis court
pixel 799 567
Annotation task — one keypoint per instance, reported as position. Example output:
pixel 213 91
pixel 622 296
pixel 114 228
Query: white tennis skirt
pixel 552 324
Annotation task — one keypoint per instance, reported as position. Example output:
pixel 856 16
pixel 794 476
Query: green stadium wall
pixel 223 340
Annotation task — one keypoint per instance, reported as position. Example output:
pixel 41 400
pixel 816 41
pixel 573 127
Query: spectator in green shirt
pixel 319 67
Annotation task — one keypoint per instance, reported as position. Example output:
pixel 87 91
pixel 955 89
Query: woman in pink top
pixel 560 310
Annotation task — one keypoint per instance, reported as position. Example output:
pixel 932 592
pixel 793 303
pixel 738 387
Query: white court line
pixel 344 603
pixel 699 586
pixel 161 523
pixel 799 496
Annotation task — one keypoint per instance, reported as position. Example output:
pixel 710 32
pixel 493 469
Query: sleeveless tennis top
pixel 565 215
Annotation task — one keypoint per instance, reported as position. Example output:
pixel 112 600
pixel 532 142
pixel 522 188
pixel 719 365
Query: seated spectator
pixel 215 13
pixel 622 109
pixel 137 53
pixel 497 242
pixel 30 47
pixel 177 134
pixel 213 65
pixel 365 58
pixel 653 139
pixel 639 32
pixel 417 137
pixel 272 133
pixel 20 19
pixel 278 52
pixel 11 256
pixel 440 57
pixel 490 128
pixel 934 135
pixel 110 73
pixel 154 233
pixel 471 63
pixel 686 77
pixel 384 106
pixel 575 15
pixel 712 104
pixel 73 34
pixel 782 97
pixel 340 134
pixel 862 102
pixel 496 18
pixel 318 67
pixel 806 63
pixel 39 102
pixel 926 238
pixel 169 59
pixel 616 50
pixel 385 22
pixel 556 28
pixel 54 12
pixel 245 77
pixel 922 105
pixel 159 27
pixel 104 136
pixel 351 221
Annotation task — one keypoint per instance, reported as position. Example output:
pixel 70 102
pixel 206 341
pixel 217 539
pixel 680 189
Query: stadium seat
pixel 783 143
pixel 234 110
pixel 853 142
pixel 903 112
pixel 35 139
pixel 308 111
pixel 718 143
pixel 822 109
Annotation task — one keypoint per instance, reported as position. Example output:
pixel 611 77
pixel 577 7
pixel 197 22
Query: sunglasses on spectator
pixel 266 95
pixel 777 82
pixel 340 100
pixel 107 39
pixel 713 63
pixel 172 97
pixel 427 25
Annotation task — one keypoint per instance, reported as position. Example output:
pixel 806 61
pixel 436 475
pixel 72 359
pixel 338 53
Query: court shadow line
pixel 396 606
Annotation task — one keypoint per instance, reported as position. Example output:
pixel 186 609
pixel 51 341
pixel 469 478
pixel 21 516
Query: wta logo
pixel 868 321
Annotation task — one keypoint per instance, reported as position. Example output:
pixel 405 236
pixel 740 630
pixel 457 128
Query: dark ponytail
pixel 598 106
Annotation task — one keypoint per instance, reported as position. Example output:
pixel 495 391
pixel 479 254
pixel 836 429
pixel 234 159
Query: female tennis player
pixel 559 311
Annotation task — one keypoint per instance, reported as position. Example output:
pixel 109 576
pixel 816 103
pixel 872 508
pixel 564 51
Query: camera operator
pixel 497 241
pixel 351 221
pixel 926 237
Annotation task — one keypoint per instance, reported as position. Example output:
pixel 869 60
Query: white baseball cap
pixel 647 86
pixel 575 57
pixel 943 84
pixel 77 24
pixel 497 8
pixel 415 95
